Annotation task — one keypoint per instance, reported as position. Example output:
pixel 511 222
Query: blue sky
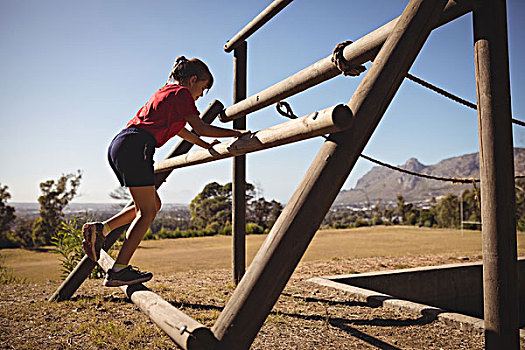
pixel 72 73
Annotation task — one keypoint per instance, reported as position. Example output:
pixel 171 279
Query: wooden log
pixel 239 169
pixel 267 14
pixel 319 123
pixel 500 266
pixel 359 52
pixel 86 265
pixel 273 265
pixel 184 330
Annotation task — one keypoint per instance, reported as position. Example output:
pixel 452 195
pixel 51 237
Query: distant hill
pixel 381 183
pixel 31 210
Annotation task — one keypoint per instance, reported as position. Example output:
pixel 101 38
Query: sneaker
pixel 93 239
pixel 126 276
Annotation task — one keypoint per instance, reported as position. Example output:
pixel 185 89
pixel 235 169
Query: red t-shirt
pixel 164 115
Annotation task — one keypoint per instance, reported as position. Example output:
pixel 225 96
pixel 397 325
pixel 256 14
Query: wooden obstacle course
pixel 393 48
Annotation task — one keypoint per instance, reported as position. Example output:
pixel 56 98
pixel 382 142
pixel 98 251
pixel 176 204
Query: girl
pixel 130 155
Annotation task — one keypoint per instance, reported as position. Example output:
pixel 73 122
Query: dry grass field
pixel 194 275
pixel 204 253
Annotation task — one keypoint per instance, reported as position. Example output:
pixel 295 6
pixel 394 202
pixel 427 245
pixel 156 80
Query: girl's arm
pixel 191 137
pixel 204 129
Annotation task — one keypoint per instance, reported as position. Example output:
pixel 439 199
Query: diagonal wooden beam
pixel 261 19
pixel 277 258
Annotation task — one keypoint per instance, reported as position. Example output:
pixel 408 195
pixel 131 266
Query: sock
pixel 107 229
pixel 118 267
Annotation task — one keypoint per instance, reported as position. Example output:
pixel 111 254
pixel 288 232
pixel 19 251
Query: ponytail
pixel 184 68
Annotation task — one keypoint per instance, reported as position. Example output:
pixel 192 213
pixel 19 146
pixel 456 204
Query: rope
pixel 439 178
pixel 354 70
pixel 451 96
pixel 290 114
pixel 342 64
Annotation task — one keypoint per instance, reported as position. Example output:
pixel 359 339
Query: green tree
pixel 211 208
pixel 263 213
pixel 447 212
pixel 56 195
pixel 120 194
pixel 275 212
pixel 7 217
pixel 407 213
pixel 24 232
pixel 427 217
pixel 7 212
pixel 471 207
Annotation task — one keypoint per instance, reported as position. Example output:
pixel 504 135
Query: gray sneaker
pixel 126 276
pixel 93 239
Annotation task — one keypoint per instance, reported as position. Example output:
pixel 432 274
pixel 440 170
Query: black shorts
pixel 130 155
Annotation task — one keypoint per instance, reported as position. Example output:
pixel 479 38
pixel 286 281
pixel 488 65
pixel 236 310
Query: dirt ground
pixel 306 315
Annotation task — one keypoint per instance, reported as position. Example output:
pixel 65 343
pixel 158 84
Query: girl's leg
pixel 147 204
pixel 94 232
pixel 124 217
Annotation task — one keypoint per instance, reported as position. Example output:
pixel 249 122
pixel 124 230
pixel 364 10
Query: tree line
pixel 210 213
pixel 450 211
pixel 20 232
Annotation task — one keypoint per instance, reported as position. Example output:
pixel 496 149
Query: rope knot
pixel 342 64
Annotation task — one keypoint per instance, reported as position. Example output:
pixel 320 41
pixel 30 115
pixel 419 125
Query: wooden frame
pixel 393 47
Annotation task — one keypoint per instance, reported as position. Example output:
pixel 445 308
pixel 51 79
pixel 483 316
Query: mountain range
pixel 384 184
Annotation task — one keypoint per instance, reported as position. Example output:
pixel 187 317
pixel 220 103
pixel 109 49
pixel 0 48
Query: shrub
pixel 226 230
pixel 360 222
pixel 6 274
pixel 8 240
pixel 254 229
pixel 68 244
pixel 377 220
pixel 149 235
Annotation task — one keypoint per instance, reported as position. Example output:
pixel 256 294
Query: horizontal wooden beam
pixel 267 14
pixel 184 330
pixel 359 52
pixel 329 120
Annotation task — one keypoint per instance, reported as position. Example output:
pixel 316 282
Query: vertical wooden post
pixel 497 176
pixel 239 169
pixel 277 258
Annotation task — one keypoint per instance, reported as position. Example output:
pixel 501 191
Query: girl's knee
pixel 158 204
pixel 147 214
